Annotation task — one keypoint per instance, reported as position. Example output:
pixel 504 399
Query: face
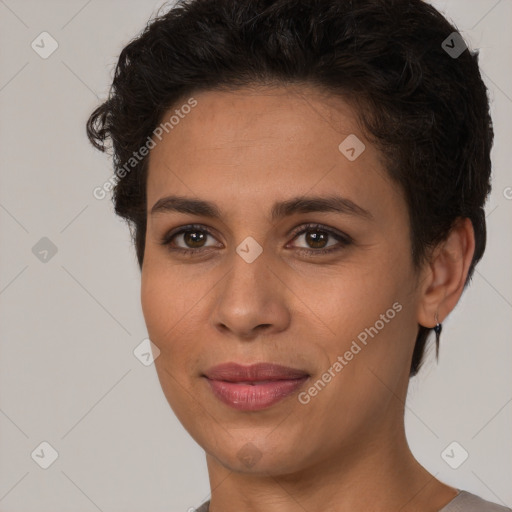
pixel 247 273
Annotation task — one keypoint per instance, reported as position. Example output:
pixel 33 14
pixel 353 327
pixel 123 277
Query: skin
pixel 346 449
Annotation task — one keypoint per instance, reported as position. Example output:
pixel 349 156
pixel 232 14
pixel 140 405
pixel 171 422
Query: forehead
pixel 270 113
pixel 254 143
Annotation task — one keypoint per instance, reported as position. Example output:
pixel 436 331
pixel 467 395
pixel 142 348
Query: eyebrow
pixel 301 204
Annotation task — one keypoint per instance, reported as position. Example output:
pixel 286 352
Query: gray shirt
pixel 463 502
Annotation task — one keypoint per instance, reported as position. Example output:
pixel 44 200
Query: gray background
pixel 68 326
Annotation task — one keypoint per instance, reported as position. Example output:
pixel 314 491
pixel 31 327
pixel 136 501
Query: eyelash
pixel 343 239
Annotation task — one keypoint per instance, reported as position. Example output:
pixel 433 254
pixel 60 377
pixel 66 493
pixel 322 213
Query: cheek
pixel 168 311
pixel 369 310
pixel 371 331
pixel 167 305
pixel 353 297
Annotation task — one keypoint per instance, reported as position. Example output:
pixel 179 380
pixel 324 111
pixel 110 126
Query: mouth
pixel 255 387
pixel 259 372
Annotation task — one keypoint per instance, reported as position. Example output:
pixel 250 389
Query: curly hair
pixel 426 110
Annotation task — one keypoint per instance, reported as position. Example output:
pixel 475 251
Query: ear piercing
pixel 437 330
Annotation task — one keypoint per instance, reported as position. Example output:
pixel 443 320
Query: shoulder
pixel 463 502
pixel 203 507
pixel 468 502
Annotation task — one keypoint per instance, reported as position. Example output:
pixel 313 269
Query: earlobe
pixel 446 274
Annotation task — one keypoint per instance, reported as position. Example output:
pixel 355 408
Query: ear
pixel 444 276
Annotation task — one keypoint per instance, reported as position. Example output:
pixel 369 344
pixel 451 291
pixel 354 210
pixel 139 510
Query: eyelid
pixel 321 227
pixel 169 236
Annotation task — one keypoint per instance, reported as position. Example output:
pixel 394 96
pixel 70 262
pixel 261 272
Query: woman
pixel 305 184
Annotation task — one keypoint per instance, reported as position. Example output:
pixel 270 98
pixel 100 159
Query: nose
pixel 252 300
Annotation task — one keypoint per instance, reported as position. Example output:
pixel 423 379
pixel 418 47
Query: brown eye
pixel 316 239
pixel 188 239
pixel 320 240
pixel 194 239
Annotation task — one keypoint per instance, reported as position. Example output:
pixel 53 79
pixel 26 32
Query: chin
pixel 258 456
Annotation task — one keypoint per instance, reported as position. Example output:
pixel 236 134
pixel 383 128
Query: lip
pixel 234 372
pixel 254 387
